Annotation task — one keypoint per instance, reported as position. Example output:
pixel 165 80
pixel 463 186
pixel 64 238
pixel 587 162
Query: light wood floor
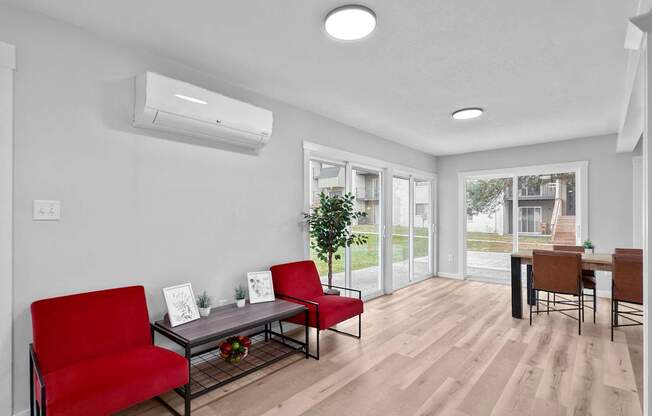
pixel 447 347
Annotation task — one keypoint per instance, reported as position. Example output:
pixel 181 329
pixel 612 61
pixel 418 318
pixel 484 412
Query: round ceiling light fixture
pixel 468 113
pixel 351 22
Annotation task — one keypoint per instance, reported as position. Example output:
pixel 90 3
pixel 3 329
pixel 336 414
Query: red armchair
pixel 93 354
pixel 299 282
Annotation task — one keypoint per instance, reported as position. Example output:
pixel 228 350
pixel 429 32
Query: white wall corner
pixel 7 56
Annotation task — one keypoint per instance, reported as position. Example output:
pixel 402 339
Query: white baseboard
pixel 22 413
pixel 450 275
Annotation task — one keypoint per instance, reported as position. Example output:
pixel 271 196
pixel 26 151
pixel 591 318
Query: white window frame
pixel 579 168
pixel 387 170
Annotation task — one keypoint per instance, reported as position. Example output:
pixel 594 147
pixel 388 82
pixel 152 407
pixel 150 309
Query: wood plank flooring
pixel 446 347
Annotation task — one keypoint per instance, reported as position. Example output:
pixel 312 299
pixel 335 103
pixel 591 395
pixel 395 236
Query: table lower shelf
pixel 209 372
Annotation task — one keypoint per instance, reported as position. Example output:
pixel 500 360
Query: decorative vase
pixel 204 311
pixel 331 291
pixel 240 303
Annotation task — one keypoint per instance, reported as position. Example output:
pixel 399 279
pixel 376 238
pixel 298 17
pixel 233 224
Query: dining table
pixel 590 261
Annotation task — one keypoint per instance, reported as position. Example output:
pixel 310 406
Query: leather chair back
pixel 557 271
pixel 627 278
pixel 634 251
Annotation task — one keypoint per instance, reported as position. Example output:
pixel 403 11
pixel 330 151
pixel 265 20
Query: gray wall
pixel 610 189
pixel 138 209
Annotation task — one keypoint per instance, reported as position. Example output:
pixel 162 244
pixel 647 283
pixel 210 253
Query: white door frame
pixel 7 68
pixel 580 168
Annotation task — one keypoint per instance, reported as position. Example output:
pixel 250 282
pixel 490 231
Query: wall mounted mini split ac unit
pixel 169 105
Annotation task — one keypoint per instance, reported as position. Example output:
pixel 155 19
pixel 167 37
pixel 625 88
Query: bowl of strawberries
pixel 235 349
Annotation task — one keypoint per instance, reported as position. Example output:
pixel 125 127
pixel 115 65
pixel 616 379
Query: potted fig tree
pixel 330 224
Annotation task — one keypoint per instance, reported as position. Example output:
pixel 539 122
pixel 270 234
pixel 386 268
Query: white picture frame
pixel 181 304
pixel 261 287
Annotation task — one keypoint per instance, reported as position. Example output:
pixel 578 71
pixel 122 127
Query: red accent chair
pixel 93 354
pixel 299 282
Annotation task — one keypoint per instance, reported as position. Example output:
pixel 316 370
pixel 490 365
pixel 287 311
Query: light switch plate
pixel 46 210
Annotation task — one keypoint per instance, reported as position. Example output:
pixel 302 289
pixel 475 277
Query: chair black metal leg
pixel 581 300
pixel 318 342
pixel 612 320
pixel 536 299
pixel 580 312
pixel 595 303
pixel 547 303
pixel 530 314
pixel 31 386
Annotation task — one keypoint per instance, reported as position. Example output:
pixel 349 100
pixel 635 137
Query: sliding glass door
pixel 528 208
pixel 401 231
pixel 422 229
pixel 489 240
pixel 366 259
pixel 395 254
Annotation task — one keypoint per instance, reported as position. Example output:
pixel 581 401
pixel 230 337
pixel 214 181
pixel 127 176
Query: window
pixel 529 220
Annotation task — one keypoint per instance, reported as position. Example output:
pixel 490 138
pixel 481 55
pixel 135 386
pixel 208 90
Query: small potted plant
pixel 204 304
pixel 240 295
pixel 588 246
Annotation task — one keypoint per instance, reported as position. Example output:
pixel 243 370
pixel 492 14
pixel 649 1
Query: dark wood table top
pixel 229 319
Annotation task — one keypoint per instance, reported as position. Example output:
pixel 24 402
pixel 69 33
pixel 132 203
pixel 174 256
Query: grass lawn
pixel 367 255
pixel 503 243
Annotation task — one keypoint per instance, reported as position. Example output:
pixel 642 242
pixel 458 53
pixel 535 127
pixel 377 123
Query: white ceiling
pixel 544 70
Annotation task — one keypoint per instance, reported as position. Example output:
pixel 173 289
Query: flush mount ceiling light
pixel 191 99
pixel 351 22
pixel 467 113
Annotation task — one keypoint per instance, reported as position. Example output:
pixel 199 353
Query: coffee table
pixel 200 339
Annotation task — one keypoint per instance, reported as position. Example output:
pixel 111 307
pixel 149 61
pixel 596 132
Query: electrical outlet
pixel 46 210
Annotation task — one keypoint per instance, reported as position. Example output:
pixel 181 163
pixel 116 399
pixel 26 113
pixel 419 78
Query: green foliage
pixel 485 195
pixel 330 227
pixel 588 244
pixel 240 292
pixel 203 300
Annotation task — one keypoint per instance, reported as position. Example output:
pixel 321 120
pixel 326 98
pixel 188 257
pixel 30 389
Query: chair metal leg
pixel 547 303
pixel 581 300
pixel 536 299
pixel 530 314
pixel 595 303
pixel 612 320
pixel 580 314
pixel 31 386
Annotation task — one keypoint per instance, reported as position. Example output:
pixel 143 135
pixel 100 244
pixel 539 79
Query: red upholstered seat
pixel 332 310
pixel 301 280
pixel 95 353
pixel 107 384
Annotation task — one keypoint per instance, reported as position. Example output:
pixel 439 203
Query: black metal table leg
pixel 517 293
pixel 186 391
pixel 307 334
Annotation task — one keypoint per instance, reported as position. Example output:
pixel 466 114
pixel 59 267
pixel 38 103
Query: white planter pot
pixel 204 311
pixel 240 303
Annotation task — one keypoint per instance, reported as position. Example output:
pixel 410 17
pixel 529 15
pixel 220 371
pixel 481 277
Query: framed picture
pixel 181 304
pixel 261 288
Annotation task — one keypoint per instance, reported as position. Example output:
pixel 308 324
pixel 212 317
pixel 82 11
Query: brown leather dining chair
pixel 588 278
pixel 559 273
pixel 626 286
